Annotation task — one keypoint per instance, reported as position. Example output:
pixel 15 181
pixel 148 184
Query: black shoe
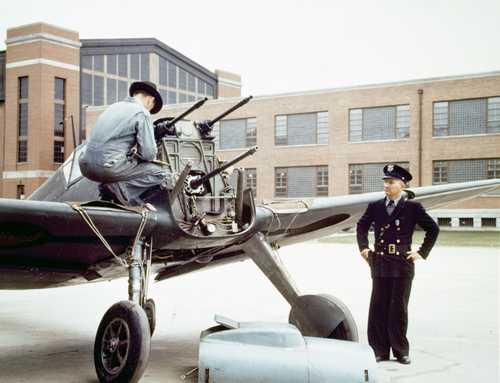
pixel 380 358
pixel 404 359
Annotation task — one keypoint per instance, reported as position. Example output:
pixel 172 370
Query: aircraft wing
pixel 287 222
pixel 51 241
pixel 297 221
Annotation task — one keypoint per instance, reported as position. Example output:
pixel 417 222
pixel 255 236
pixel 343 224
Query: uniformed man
pixel 122 146
pixel 392 262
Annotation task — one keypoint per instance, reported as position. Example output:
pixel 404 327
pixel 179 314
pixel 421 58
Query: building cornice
pixel 45 37
pixel 59 64
pixel 27 174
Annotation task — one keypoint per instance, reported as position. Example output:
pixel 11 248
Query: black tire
pixel 347 329
pixel 122 344
pixel 150 309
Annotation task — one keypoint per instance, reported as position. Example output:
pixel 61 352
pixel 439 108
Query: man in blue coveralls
pixel 392 262
pixel 122 146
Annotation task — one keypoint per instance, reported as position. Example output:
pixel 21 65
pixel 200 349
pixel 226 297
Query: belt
pixel 392 249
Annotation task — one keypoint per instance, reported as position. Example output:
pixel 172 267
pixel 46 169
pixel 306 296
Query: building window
pixel 98 90
pixel 465 117
pixel 145 67
pixel 444 221
pixel 172 75
pixel 322 181
pixel 111 64
pixel 20 192
pixel 465 170
pixel 301 129
pixel 86 62
pixel 493 168
pixel 123 65
pixel 301 181
pixel 466 221
pixel 191 83
pixel 122 90
pixel 182 79
pixel 236 134
pixel 365 178
pixel 59 118
pixel 135 66
pixel 99 63
pixel 22 133
pixel 172 97
pixel 251 180
pixel 440 172
pixel 488 222
pixel 493 115
pixel 210 91
pixel 281 182
pixel 163 68
pixel 110 91
pixel 86 89
pixel 380 123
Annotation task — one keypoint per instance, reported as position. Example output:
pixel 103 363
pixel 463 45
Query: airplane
pixel 63 235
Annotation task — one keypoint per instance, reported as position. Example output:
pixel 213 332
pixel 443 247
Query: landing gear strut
pixel 314 315
pixel 123 339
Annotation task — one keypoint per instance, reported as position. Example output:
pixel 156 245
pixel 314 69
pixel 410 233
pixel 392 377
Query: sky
pixel 291 46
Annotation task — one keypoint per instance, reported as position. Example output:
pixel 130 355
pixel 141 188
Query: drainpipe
pixel 420 96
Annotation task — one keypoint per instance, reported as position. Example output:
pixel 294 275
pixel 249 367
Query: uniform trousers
pixel 388 316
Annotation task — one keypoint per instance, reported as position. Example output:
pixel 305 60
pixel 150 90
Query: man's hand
pixel 365 254
pixel 413 256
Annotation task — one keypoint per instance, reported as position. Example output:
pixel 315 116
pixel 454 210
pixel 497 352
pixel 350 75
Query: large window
pixel 59 121
pixel 236 134
pixel 105 79
pixel 301 181
pixel 301 129
pixel 465 170
pixel 381 123
pixel 251 180
pixel 365 178
pixel 22 130
pixel 463 117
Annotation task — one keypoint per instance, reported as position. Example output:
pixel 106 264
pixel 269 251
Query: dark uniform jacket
pixel 393 236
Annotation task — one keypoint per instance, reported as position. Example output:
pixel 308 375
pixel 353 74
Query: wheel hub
pixel 115 346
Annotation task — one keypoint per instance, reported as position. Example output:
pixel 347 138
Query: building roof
pixel 100 46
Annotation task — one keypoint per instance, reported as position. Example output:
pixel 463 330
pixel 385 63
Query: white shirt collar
pixel 396 201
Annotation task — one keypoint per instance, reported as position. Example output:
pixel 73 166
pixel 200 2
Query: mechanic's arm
pixel 146 144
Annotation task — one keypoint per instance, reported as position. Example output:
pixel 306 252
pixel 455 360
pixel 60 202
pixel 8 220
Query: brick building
pixel 316 143
pixel 48 78
pixel 336 141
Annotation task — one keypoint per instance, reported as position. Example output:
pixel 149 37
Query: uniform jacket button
pixel 397 252
pixel 381 241
pixel 397 241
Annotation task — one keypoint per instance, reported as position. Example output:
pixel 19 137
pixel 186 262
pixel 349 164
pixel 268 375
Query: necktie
pixel 390 207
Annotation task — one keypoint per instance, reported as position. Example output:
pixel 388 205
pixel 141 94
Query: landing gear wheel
pixel 150 309
pixel 122 344
pixel 326 317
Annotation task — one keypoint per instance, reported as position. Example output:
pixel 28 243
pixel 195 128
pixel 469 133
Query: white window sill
pixel 379 141
pixel 300 146
pixel 467 135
